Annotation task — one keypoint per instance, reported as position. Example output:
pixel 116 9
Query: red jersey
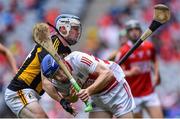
pixel 141 84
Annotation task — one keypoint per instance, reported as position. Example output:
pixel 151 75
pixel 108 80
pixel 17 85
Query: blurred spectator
pixel 122 40
pixel 50 15
pixel 92 42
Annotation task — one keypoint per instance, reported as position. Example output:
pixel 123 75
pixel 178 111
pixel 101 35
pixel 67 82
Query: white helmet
pixel 132 24
pixel 64 24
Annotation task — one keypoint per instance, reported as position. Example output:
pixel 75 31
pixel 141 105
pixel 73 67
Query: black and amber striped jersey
pixel 29 74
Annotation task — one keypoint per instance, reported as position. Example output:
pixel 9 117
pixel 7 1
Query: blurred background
pixel 103 30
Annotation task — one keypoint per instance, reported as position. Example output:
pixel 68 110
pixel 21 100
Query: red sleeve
pixel 122 51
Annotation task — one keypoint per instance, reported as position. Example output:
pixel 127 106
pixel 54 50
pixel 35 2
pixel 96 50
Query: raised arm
pixel 9 57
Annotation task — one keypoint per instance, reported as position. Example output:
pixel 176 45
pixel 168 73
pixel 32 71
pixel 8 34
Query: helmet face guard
pixel 74 35
pixel 65 24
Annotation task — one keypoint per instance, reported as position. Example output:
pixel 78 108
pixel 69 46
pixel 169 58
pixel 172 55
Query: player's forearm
pixel 11 61
pixel 156 72
pixel 101 82
pixel 156 67
pixel 51 90
pixel 112 56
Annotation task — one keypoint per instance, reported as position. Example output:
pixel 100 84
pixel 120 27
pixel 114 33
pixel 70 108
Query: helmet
pixel 132 24
pixel 49 66
pixel 64 24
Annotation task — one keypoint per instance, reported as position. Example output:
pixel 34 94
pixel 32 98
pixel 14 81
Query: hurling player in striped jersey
pixel 102 81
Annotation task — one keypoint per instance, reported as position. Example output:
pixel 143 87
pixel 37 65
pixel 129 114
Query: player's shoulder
pixel 125 47
pixel 74 57
pixel 77 53
pixel 148 44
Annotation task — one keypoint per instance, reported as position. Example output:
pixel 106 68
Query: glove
pixel 66 105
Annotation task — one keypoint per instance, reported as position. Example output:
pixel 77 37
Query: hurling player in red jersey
pixel 138 68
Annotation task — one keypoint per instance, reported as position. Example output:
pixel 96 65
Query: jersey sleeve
pixel 86 62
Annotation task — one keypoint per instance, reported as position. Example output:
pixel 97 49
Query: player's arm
pixel 112 55
pixel 91 65
pixel 53 93
pixel 134 70
pixel 156 73
pixel 157 78
pixel 130 72
pixel 50 89
pixel 105 75
pixel 9 57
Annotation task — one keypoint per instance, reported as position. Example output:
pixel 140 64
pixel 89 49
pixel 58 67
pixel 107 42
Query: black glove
pixel 66 105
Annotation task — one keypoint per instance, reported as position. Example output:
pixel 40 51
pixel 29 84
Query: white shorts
pixel 118 101
pixel 17 100
pixel 146 101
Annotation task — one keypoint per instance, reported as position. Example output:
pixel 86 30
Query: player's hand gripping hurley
pixel 161 16
pixel 41 35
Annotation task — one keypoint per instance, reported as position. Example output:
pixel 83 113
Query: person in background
pixel 138 68
pixel 122 40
